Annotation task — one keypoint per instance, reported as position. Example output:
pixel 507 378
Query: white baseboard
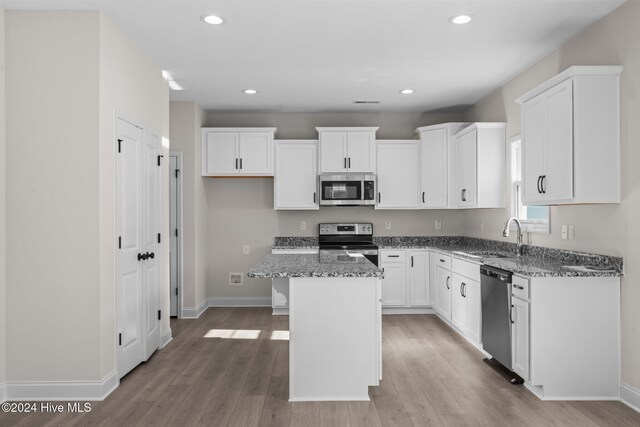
pixel 630 396
pixel 407 310
pixel 240 302
pixel 194 313
pixel 62 390
pixel 3 392
pixel 165 338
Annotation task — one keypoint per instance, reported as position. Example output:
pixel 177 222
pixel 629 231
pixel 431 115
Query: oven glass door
pixel 341 190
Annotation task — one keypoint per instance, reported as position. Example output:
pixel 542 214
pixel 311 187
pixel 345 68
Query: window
pixel 534 219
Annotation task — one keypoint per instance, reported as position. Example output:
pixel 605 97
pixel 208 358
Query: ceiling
pixel 310 55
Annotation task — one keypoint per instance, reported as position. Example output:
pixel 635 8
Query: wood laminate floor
pixel 431 377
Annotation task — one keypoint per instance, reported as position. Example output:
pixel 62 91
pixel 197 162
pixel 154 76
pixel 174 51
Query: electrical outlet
pixel 388 225
pixel 235 279
pixel 564 232
pixel 303 225
pixel 245 250
pixel 437 224
pixel 572 232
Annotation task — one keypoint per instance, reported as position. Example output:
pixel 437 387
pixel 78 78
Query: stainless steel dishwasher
pixel 495 288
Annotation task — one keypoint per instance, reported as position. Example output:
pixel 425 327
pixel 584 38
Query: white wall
pixel 240 211
pixel 608 229
pixel 131 83
pixel 186 121
pixel 3 209
pixel 66 74
pixel 53 300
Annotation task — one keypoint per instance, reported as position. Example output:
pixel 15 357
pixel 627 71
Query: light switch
pixel 564 232
pixel 437 224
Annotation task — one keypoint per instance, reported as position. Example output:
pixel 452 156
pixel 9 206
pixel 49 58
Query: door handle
pixel 379 197
pixel 423 197
pixel 518 287
pixel 461 195
pixel 240 162
pixel 464 199
pixel 236 163
pixel 142 257
pixel 411 261
pixel 448 279
pixel 345 162
pixel 538 184
pixel 349 163
pixel 511 314
pixel 314 197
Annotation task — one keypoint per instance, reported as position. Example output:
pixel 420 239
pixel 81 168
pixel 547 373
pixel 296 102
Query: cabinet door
pixel 460 172
pixel 222 153
pixel 256 153
pixel 394 285
pixel 520 337
pixel 397 175
pixel 295 178
pixel 459 313
pixel 474 310
pixel 533 148
pixel 557 183
pixel 361 152
pixel 333 152
pixel 443 286
pixel 433 169
pixel 471 168
pixel 418 278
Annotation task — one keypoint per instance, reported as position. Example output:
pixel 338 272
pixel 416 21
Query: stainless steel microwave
pixel 349 189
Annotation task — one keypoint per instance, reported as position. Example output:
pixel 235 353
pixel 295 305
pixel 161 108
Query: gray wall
pixel 609 229
pixel 240 211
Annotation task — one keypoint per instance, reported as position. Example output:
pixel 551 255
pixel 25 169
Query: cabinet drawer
pixel 388 257
pixel 443 261
pixel 468 269
pixel 520 288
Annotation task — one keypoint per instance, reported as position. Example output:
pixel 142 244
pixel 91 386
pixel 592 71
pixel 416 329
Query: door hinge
pixel 119 242
pixel 159 314
pixel 159 157
pixel 119 147
pixel 177 172
pixel 176 232
pixel 119 339
pixel 159 239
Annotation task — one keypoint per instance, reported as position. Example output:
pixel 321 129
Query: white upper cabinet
pixel 237 151
pixel 436 152
pixel 397 174
pixel 571 138
pixel 479 166
pixel 347 149
pixel 296 174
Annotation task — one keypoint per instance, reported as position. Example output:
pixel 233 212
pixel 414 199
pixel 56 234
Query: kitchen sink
pixel 485 254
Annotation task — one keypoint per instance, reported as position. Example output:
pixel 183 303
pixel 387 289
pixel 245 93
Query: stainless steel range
pixel 348 241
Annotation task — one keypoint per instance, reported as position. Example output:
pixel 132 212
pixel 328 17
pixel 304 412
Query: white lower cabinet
pixel 406 278
pixel 443 282
pixel 520 337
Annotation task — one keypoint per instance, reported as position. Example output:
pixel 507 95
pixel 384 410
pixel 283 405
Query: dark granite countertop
pixel 312 265
pixel 536 262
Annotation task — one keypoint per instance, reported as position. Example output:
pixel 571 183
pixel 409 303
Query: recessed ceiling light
pixel 406 91
pixel 213 19
pixel 460 19
pixel 250 91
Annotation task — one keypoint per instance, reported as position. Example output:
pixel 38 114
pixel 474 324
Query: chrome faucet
pixel 505 233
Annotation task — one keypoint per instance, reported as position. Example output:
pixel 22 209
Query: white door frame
pixel 179 243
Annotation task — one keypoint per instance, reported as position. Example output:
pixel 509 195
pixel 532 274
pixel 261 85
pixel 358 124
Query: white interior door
pixel 129 276
pixel 151 239
pixel 173 235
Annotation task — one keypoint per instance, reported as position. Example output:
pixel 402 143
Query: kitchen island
pixel 335 324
